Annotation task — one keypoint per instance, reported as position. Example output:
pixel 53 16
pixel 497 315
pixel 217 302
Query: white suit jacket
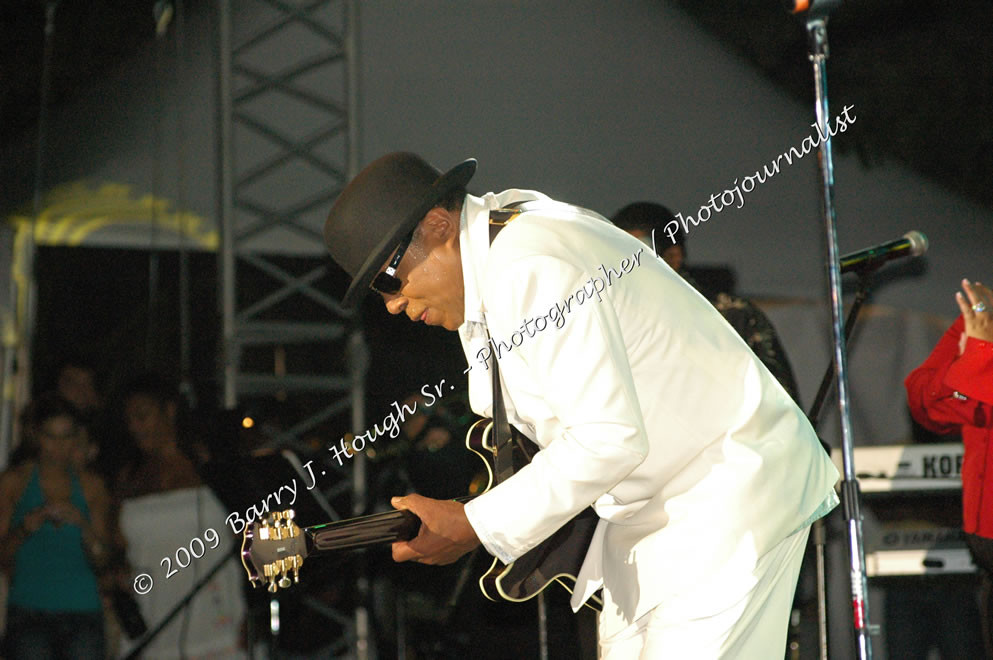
pixel 646 404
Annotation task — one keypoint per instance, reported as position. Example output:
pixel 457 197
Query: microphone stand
pixel 147 638
pixel 818 43
pixel 814 415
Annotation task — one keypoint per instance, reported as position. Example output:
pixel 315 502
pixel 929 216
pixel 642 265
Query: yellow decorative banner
pixel 74 211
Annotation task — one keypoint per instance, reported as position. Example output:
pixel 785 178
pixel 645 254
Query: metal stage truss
pixel 288 141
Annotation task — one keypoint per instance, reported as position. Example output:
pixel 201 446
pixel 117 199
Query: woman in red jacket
pixel 953 391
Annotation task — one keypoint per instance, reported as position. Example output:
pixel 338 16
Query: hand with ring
pixel 977 310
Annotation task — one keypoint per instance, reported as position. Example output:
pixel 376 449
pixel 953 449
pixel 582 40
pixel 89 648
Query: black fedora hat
pixel 381 205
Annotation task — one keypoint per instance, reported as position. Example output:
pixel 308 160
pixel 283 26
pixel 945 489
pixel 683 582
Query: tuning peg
pixel 297 563
pixel 281 567
pixel 277 525
pixel 270 573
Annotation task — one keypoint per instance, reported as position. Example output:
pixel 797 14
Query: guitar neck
pixel 366 531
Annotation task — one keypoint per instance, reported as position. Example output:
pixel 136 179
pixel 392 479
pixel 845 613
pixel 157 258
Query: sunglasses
pixel 386 281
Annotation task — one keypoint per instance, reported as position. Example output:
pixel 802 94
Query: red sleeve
pixel 948 389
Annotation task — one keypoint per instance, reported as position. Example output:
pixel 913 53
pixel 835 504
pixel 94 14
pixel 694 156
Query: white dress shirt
pixel 645 402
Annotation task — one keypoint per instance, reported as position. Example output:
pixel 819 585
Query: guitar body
pixel 556 559
pixel 273 550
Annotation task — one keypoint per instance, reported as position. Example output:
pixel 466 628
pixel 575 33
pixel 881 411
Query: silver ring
pixel 979 307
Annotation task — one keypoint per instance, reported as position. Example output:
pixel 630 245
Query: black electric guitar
pixel 275 548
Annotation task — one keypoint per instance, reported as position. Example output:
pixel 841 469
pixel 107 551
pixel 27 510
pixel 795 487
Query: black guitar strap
pixel 503 438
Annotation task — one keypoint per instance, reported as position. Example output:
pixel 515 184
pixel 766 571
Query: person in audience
pixel 428 456
pixel 646 221
pixel 952 391
pixel 55 532
pixel 151 412
pixel 76 382
pixel 164 505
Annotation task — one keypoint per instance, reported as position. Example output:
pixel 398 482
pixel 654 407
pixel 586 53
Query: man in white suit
pixel 645 403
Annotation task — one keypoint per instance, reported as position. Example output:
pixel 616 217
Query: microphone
pixel 912 244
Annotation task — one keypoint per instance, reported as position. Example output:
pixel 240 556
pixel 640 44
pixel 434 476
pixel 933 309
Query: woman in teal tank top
pixel 54 531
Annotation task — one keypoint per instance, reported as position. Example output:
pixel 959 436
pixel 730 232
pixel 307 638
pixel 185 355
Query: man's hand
pixel 445 532
pixel 978 324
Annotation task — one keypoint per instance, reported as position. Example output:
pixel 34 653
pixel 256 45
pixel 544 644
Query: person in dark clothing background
pixel 645 221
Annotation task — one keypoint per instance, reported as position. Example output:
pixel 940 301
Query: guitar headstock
pixel 272 549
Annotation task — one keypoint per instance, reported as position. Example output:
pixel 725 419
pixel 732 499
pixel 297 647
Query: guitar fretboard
pixel 385 527
pixel 377 528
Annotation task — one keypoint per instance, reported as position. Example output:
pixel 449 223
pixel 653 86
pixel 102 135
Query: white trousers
pixel 747 621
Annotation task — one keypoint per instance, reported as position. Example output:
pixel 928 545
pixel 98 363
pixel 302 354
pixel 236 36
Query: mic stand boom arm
pixel 147 638
pixel 861 295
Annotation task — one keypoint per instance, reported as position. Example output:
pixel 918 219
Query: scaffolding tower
pixel 288 145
